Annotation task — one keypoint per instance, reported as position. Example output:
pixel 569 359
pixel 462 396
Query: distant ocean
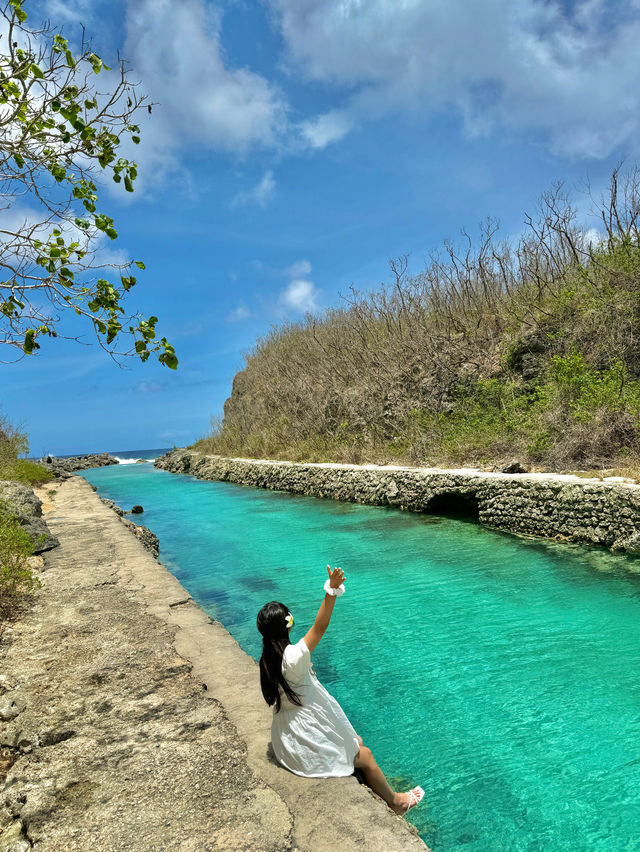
pixel 127 456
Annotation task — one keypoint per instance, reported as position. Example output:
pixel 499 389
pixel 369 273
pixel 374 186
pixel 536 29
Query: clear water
pixel 499 673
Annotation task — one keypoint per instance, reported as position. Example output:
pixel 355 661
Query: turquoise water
pixel 499 673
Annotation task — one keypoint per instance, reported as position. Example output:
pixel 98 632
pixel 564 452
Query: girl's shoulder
pixel 296 655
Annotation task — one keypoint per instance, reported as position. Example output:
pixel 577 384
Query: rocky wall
pixel 558 506
pixel 19 501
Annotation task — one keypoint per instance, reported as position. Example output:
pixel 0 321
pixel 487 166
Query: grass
pixel 17 581
pixel 27 472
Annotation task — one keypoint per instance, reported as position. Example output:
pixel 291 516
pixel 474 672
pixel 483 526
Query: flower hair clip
pixel 289 621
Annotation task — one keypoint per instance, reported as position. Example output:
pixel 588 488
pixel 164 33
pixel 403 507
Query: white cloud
pixel 176 51
pixel 261 194
pixel 298 269
pixel 300 296
pixel 148 388
pixel 569 72
pixel 238 314
pixel 324 129
pixel 69 11
pixel 593 237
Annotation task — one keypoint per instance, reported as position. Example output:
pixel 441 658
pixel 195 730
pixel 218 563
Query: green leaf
pixel 36 71
pixel 16 5
pixel 128 185
pixel 19 160
pixel 96 63
pixel 30 342
pixel 169 360
pixel 82 223
pixel 140 264
pixel 111 233
pixel 113 328
pixel 70 60
pixel 135 140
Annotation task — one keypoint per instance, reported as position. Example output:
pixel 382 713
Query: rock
pixel 514 467
pixel 141 461
pixel 392 490
pixel 64 466
pixel 176 461
pixel 146 537
pixel 137 510
pixel 630 545
pixel 22 503
pixel 11 705
pixel 6 683
pixel 22 734
pixel 13 840
pixel 113 506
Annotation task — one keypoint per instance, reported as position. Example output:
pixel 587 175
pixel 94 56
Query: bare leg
pixel 374 776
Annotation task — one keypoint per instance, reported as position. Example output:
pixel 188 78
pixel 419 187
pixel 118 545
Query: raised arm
pixel 313 636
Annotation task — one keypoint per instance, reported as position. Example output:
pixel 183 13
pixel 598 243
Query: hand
pixel 336 577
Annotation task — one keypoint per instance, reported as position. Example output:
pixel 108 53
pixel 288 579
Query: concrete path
pixel 140 723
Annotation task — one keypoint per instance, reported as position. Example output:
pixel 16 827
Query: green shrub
pixel 16 578
pixel 587 391
pixel 14 443
pixel 28 472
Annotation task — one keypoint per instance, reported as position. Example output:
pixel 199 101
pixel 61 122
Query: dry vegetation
pixel 17 581
pixel 529 350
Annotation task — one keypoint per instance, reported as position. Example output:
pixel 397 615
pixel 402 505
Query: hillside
pixel 496 350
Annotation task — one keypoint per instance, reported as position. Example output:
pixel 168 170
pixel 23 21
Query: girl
pixel 310 733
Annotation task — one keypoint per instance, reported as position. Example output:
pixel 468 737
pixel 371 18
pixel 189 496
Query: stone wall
pixel 558 506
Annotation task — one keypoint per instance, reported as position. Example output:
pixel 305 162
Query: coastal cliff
pixel 562 507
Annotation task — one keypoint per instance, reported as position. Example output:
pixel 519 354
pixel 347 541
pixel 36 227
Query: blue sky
pixel 296 146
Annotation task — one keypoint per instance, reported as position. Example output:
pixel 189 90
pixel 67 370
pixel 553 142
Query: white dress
pixel 315 740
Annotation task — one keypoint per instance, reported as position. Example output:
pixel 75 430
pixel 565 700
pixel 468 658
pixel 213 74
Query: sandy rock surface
pixel 117 743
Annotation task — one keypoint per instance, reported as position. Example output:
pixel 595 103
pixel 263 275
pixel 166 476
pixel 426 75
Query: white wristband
pixel 335 592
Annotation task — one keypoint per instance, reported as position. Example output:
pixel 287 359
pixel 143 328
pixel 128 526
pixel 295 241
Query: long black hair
pixel 272 624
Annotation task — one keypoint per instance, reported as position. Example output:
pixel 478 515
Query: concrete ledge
pixel 119 745
pixel 558 506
